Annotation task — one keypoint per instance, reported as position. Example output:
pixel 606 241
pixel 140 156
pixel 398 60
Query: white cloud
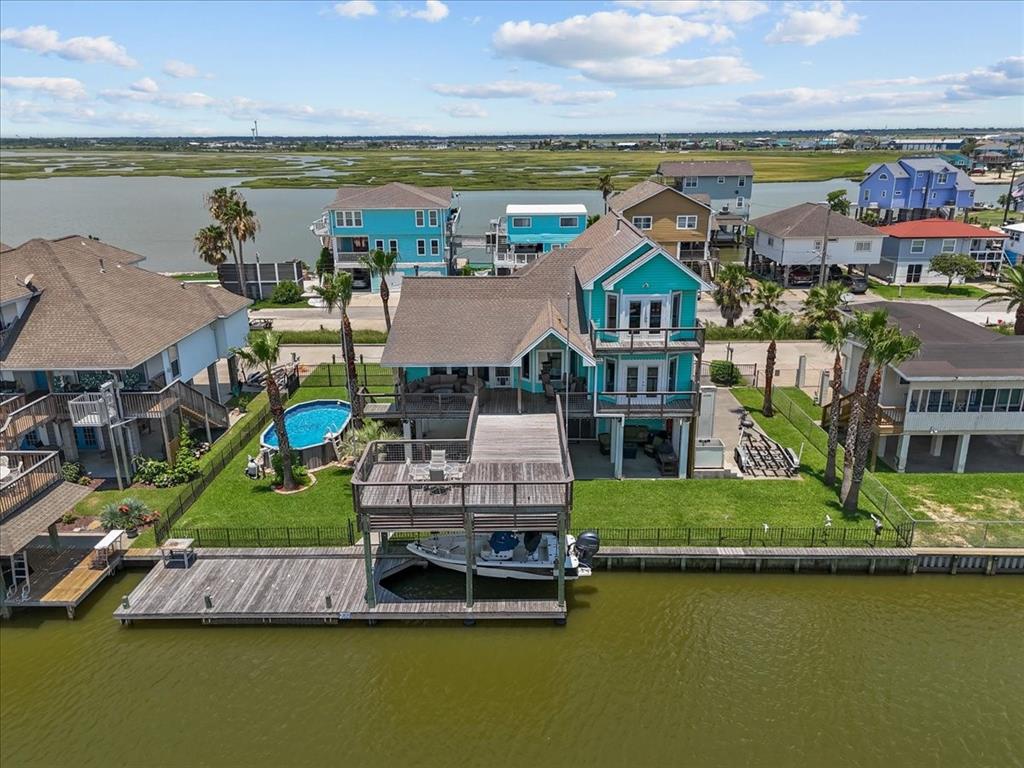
pixel 469 110
pixel 432 11
pixel 182 70
pixel 703 10
pixel 810 25
pixel 671 73
pixel 540 93
pixel 65 88
pixel 145 85
pixel 44 40
pixel 1004 78
pixel 353 9
pixel 193 100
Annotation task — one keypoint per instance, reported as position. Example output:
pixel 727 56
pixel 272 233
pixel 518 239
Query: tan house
pixel 680 223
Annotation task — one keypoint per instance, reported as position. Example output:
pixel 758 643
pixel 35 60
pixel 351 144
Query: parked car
pixel 360 279
pixel 978 170
pixel 801 276
pixel 856 283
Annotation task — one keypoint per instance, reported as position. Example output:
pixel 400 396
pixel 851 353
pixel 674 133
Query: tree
pixel 593 219
pixel 336 292
pixel 868 328
pixel 770 326
pixel 324 262
pixel 731 292
pixel 767 297
pixel 234 216
pixel 1012 293
pixel 970 144
pixel 211 244
pixel 262 352
pixel 382 264
pixel 890 348
pixel 823 304
pixel 606 187
pixel 838 201
pixel 833 336
pixel 953 265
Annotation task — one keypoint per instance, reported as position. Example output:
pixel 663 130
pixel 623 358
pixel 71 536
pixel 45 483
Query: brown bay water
pixel 652 669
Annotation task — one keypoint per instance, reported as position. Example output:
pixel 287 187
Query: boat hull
pixel 452 557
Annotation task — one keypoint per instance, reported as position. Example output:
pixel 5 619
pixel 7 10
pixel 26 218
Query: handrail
pixel 647 403
pixel 49 406
pixel 30 482
pixel 563 439
pixel 642 338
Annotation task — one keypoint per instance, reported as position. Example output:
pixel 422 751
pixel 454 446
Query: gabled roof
pixel 925 228
pixel 893 168
pixel 645 190
pixel 94 309
pixel 676 168
pixel 395 194
pixel 808 220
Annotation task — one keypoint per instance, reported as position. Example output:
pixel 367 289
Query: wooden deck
pixel 61 578
pixel 526 438
pixel 298 585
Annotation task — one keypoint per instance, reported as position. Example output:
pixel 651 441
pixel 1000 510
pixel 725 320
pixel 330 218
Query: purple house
pixel 915 188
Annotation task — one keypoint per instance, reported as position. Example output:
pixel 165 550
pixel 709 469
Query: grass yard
pixel 924 292
pixel 803 401
pixel 195 276
pixel 269 304
pixel 331 336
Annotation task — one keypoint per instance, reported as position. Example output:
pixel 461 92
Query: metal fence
pixel 369 375
pixel 760 536
pixel 272 536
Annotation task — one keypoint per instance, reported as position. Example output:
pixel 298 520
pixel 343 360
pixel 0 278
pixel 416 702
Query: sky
pixel 367 67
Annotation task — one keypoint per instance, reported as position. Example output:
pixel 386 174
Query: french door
pixel 642 314
pixel 641 381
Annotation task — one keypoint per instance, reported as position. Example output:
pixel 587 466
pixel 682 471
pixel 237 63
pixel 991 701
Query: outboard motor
pixel 587 545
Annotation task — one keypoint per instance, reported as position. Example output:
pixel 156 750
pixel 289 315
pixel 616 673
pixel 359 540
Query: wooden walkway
pixel 529 438
pixel 297 585
pixel 62 578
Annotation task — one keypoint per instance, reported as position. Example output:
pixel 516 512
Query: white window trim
pixel 883 176
pixel 638 225
pixel 952 245
pixel 392 246
pixel 687 182
pixel 741 181
pixel 421 218
pixel 574 222
pixel 520 219
pixel 421 247
pixel 435 247
pixel 721 179
pixel 915 249
pixel 686 219
pixel 433 218
pixel 862 246
pixel 356 218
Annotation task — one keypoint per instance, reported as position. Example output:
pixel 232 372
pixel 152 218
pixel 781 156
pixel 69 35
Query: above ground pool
pixel 308 424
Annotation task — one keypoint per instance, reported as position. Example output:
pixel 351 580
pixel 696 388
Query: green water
pixel 653 669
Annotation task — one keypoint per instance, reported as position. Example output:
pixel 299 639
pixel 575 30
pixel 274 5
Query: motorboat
pixel 531 555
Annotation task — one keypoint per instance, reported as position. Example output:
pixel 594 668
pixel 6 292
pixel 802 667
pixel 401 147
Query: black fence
pixel 370 375
pixel 290 536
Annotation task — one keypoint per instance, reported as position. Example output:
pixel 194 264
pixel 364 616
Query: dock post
pixel 834 565
pixel 560 569
pixel 796 565
pixel 470 557
pixel 757 565
pixel 990 567
pixel 682 563
pixel 871 565
pixel 954 561
pixel 371 587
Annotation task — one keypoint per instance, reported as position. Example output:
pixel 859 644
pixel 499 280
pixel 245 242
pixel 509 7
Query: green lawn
pixel 195 276
pixel 803 401
pixel 330 336
pixel 925 292
pixel 268 304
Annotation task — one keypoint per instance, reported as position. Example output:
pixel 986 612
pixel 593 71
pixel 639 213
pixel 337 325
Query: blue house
pixel 727 183
pixel 603 331
pixel 914 188
pixel 526 232
pixel 414 222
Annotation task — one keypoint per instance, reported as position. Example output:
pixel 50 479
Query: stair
pixel 337 442
pixel 19 576
pixel 199 407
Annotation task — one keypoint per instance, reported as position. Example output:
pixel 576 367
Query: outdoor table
pixel 177 553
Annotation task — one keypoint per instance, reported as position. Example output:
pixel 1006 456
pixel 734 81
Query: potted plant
pixel 128 514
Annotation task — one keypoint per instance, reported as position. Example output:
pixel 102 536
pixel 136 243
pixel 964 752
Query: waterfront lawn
pixel 925 292
pixel 948 496
pixel 804 402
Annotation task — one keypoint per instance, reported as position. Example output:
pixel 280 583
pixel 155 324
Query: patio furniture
pixel 419 473
pixel 549 392
pixel 178 553
pixel 629 450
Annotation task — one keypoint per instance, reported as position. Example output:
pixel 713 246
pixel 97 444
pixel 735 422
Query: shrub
pixel 69 517
pixel 73 471
pixel 299 472
pixel 724 373
pixel 355 440
pixel 151 471
pixel 286 292
pixel 127 513
pixel 243 400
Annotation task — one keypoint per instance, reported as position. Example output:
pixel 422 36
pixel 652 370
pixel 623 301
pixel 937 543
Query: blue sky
pixel 362 67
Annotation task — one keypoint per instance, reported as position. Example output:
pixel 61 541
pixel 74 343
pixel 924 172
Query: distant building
pixel 526 232
pixel 915 188
pixel 909 247
pixel 727 183
pixel 1014 243
pixel 927 144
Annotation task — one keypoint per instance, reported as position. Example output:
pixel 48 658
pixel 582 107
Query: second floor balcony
pixel 649 339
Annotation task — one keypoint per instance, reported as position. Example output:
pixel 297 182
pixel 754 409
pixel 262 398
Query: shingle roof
pixel 31 520
pixel 808 220
pixel 951 346
pixel 935 164
pixel 677 168
pixel 894 168
pixel 644 191
pixel 392 195
pixel 925 228
pixel 96 310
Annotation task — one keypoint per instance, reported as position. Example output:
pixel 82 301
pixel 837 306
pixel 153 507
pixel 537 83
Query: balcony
pixel 92 409
pixel 657 405
pixel 626 340
pixel 321 227
pixel 964 421
pixel 25 475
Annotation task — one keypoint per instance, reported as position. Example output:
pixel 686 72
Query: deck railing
pixel 418 404
pixel 672 338
pixel 91 409
pixel 150 405
pixel 34 414
pixel 31 473
pixel 650 404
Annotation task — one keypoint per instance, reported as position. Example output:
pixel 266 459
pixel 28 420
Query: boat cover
pixel 503 541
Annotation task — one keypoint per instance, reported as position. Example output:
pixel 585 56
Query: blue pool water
pixel 307 423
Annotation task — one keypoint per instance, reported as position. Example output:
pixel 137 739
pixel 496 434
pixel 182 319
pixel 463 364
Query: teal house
pixel 414 222
pixel 526 232
pixel 602 331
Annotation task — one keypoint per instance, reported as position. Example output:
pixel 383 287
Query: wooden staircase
pixel 201 408
pixel 890 417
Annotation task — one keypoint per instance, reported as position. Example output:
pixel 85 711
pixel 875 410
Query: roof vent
pixel 102 268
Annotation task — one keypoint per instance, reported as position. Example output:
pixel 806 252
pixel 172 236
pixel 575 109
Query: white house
pixel 793 239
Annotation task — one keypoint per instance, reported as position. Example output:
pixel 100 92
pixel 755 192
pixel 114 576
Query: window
pixel 671 387
pixel 721 179
pixel 771 241
pixel 741 181
pixel 917 246
pixel 942 178
pixel 421 247
pixel 419 218
pixel 348 218
pixel 677 303
pixel 89 438
pixel 913 273
pixel 632 378
pixel 569 222
pixel 949 245
pixel 172 356
pixel 392 246
pixel 739 202
pixel 883 177
pixel 521 222
pixel 526 366
pixel 882 194
pixel 867 194
pixel 686 222
pixel 609 375
pixel 897 193
pixel 643 222
pixel 611 310
pixel 931 196
pixel 862 246
pixel 378 245
pixel 652 379
pixel 690 182
pixel 432 218
pixel 435 247
pixel 817 246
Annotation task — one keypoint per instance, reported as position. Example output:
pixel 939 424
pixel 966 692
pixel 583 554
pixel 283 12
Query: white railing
pixel 91 409
pixel 965 421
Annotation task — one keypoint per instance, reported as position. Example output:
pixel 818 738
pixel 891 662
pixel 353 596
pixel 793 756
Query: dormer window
pixel 942 177
pixel 721 179
pixel 883 176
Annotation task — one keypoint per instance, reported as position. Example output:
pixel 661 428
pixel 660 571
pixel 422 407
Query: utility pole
pixel 824 247
pixel 1009 195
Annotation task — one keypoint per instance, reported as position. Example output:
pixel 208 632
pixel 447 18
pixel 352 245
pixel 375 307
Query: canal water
pixel 652 669
pixel 158 216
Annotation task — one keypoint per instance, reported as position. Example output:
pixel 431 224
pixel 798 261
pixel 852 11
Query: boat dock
pixel 299 586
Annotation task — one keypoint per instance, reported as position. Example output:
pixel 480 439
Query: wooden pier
pixel 299 586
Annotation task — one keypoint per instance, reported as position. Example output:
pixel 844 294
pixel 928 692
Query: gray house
pixel 727 182
pixel 909 247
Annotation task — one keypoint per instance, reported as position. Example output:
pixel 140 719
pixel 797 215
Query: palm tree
pixel 868 328
pixel 262 352
pixel 1012 293
pixel 823 304
pixel 767 297
pixel 890 348
pixel 731 292
pixel 230 210
pixel 381 264
pixel 211 244
pixel 770 326
pixel 606 187
pixel 833 336
pixel 336 292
